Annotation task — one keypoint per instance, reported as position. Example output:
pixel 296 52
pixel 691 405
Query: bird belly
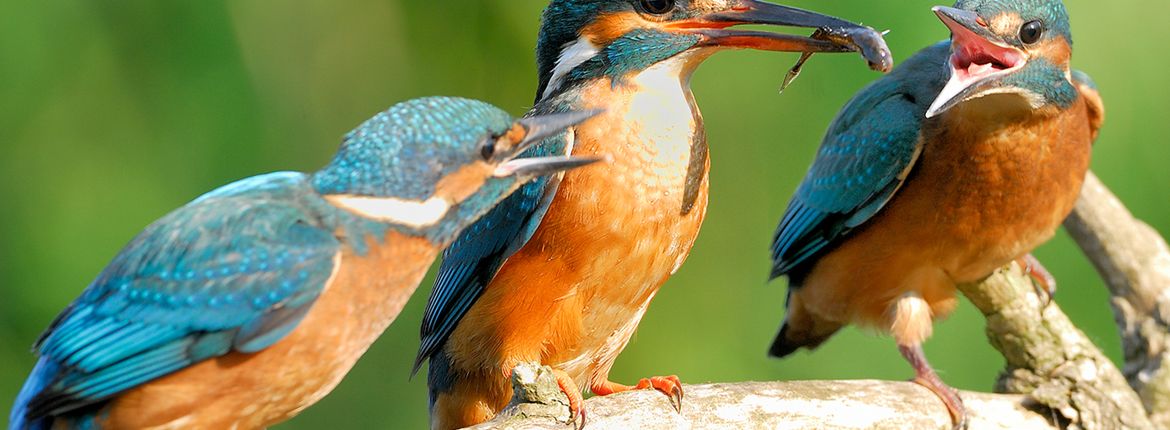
pixel 979 198
pixel 574 294
pixel 257 390
pixel 1005 190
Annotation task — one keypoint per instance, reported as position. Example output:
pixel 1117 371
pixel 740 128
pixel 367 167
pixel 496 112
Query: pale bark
pixel 828 405
pixel 1134 261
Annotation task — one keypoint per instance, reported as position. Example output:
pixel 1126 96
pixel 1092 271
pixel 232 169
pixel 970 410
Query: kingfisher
pixel 964 158
pixel 252 302
pixel 562 272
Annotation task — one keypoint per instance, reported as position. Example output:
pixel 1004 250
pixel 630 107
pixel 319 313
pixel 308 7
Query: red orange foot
pixel 925 376
pixel 1042 280
pixel 669 385
pixel 576 401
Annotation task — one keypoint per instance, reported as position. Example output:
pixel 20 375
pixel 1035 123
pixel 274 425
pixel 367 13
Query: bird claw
pixel 962 424
pixel 950 397
pixel 579 418
pixel 669 385
pixel 1042 281
pixel 576 401
pixel 925 376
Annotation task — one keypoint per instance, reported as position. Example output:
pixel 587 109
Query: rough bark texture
pixel 1050 359
pixel 829 405
pixel 1134 260
pixel 1063 379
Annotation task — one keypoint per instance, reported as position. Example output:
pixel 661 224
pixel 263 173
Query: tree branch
pixel 829 405
pixel 1049 359
pixel 1134 260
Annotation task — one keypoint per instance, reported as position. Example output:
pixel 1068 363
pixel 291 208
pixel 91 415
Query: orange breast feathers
pixel 573 295
pixel 979 198
pixel 258 390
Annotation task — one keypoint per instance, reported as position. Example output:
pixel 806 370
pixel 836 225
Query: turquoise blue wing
pixel 1092 97
pixel 235 270
pixel 865 156
pixel 1083 79
pixel 477 254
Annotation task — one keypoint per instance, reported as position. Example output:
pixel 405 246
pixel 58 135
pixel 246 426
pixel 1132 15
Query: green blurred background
pixel 114 113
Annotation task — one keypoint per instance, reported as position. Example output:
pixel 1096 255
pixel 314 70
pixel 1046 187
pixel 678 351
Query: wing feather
pixel 234 270
pixel 865 156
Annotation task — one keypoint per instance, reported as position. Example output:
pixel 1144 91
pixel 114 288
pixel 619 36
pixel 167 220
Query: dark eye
pixel 657 7
pixel 488 148
pixel 1031 32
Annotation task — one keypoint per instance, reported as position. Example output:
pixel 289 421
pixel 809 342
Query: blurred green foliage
pixel 114 113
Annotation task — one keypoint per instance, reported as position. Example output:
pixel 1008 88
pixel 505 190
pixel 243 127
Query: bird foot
pixel 950 398
pixel 576 401
pixel 1042 280
pixel 926 377
pixel 669 385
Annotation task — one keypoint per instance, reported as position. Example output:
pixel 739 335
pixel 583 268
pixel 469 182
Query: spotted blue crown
pixel 404 151
pixel 1051 12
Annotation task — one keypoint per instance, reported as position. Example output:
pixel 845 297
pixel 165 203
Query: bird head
pixel 437 164
pixel 1019 47
pixel 583 39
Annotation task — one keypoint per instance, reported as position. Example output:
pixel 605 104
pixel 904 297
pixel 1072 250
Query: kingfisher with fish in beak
pixel 562 272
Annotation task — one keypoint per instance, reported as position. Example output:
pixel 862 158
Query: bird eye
pixel 488 148
pixel 1031 32
pixel 657 7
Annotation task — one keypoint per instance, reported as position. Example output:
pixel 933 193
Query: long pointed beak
pixel 959 20
pixel 759 12
pixel 838 35
pixel 537 128
pixel 978 58
pixel 540 166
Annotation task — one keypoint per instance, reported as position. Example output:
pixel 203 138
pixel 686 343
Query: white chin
pixel 961 80
pixel 954 86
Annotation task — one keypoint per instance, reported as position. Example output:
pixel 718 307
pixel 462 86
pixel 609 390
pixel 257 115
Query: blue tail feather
pixel 42 375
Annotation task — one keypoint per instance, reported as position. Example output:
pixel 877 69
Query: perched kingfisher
pixel 249 304
pixel 562 272
pixel 966 157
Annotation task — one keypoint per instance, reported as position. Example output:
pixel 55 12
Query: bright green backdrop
pixel 114 113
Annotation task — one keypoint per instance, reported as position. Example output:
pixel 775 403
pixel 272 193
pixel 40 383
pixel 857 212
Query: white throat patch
pixel 572 55
pixel 410 213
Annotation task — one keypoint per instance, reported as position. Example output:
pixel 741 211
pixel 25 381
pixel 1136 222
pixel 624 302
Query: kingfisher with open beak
pixel 251 303
pixel 562 272
pixel 963 159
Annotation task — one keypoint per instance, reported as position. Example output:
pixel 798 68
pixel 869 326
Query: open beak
pixel 837 35
pixel 540 166
pixel 536 129
pixel 978 59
